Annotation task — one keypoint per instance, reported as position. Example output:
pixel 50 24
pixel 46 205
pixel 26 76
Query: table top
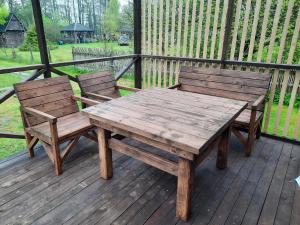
pixel 185 120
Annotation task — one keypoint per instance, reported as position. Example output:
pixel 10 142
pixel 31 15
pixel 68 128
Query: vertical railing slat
pixel 144 62
pixel 254 30
pixel 166 44
pixel 149 41
pixel 186 27
pixel 245 30
pixel 154 47
pixel 172 36
pixel 214 32
pixel 192 38
pixel 160 40
pixel 291 103
pixel 274 30
pixel 207 26
pixel 235 29
pixel 263 30
pixel 222 31
pixel 199 32
pixel 297 127
pixel 178 40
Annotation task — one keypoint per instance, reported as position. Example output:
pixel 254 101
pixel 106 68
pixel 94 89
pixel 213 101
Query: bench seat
pixel 246 86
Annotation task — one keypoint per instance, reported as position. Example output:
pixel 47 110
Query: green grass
pixel 62 53
pixel 9 79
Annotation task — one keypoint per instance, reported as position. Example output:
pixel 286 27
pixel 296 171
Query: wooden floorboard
pixel 256 190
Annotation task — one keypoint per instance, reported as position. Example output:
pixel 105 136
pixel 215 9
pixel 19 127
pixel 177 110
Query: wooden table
pixel 185 124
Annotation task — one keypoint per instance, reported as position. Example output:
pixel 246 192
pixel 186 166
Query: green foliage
pixel 112 18
pixel 31 41
pixel 3 14
pixel 52 27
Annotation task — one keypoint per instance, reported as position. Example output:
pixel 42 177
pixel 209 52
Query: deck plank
pixel 256 190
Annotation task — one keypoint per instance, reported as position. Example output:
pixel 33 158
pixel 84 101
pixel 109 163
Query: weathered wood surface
pixel 241 194
pixel 185 120
pixel 248 86
pixel 51 115
pixel 164 121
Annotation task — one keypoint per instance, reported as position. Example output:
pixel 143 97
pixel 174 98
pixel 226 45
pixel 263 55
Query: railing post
pixel 227 34
pixel 38 19
pixel 137 12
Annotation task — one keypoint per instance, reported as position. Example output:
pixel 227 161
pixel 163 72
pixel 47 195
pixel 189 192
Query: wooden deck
pixel 255 190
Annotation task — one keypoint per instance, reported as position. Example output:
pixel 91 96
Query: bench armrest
pixel 174 86
pixel 85 100
pixel 127 88
pixel 258 102
pixel 103 97
pixel 38 113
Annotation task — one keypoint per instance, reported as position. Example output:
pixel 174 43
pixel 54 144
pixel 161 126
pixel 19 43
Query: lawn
pixel 62 53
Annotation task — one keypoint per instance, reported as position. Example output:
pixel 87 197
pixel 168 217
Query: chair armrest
pixel 35 112
pixel 258 102
pixel 174 86
pixel 127 88
pixel 106 98
pixel 85 100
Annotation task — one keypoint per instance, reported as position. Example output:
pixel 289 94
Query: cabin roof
pixel 76 27
pixel 8 19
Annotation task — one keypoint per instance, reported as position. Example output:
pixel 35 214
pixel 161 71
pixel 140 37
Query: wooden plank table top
pixel 181 119
pixel 184 124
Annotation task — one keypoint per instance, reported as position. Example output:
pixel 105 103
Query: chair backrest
pixel 102 83
pixel 51 95
pixel 239 85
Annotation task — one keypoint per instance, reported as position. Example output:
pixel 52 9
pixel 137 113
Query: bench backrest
pixel 239 85
pixel 102 83
pixel 51 95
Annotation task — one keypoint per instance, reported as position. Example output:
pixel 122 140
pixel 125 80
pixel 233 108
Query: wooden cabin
pixel 77 33
pixel 12 32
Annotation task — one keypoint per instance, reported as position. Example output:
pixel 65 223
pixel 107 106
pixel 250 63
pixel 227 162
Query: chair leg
pixel 258 131
pixel 30 147
pixel 57 159
pixel 249 142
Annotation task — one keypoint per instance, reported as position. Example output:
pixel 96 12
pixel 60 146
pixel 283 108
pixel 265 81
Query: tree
pixel 3 14
pixel 31 41
pixel 112 18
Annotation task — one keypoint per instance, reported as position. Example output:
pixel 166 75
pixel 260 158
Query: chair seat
pixel 244 118
pixel 67 127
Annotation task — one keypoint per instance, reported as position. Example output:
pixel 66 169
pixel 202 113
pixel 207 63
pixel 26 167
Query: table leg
pixel 223 149
pixel 184 188
pixel 105 154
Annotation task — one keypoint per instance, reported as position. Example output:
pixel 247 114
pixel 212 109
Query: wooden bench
pixel 240 85
pixel 101 86
pixel 51 115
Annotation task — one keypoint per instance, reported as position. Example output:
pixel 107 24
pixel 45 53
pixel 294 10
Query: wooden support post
pixel 227 39
pixel 184 188
pixel 137 8
pixel 223 149
pixel 105 154
pixel 38 19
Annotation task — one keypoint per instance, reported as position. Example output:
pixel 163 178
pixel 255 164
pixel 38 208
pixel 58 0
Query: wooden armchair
pixel 101 86
pixel 247 86
pixel 51 115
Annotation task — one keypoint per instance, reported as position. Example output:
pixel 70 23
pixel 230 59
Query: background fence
pixel 264 31
pixel 88 53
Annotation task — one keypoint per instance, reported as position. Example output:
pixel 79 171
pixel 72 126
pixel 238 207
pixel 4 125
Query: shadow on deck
pixel 255 190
